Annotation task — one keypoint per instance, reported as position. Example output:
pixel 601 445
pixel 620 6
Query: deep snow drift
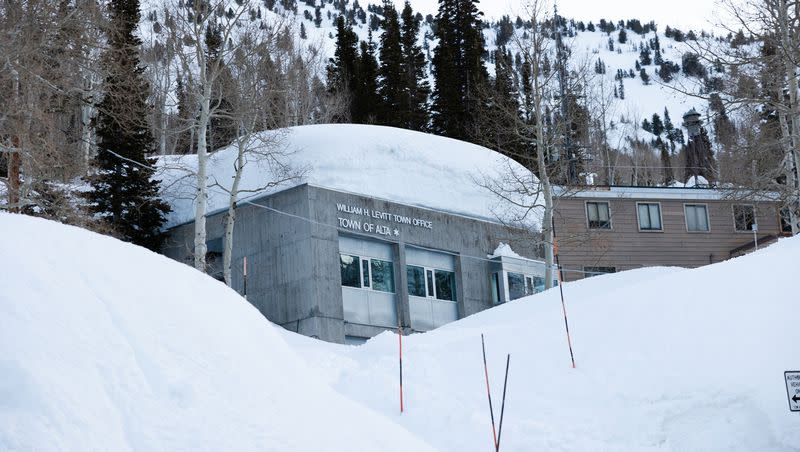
pixel 104 345
pixel 107 346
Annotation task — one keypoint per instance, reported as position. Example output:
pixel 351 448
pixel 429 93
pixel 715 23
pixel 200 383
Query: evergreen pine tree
pixel 623 36
pixel 391 83
pixel 416 85
pixel 303 34
pixel 365 94
pixel 666 164
pixel 621 89
pixel 317 16
pixel 124 193
pixel 658 126
pixel 342 67
pixel 644 76
pixel 458 68
pixel 644 56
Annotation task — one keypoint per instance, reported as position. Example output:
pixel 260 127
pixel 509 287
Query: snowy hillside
pixel 408 167
pixel 106 346
pixel 625 112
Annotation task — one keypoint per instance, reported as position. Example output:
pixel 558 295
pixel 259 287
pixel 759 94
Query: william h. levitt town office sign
pixel 367 216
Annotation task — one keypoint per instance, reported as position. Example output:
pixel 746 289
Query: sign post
pixel 792 378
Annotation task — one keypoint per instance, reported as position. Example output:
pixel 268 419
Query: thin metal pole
pixel 488 393
pixel 561 290
pixel 503 404
pixel 400 338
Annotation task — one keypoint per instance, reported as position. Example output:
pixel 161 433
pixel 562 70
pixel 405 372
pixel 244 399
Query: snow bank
pixel 399 165
pixel 504 250
pixel 667 360
pixel 107 346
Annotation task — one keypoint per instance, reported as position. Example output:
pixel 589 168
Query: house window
pixel 597 214
pixel 363 272
pixel 744 217
pixel 696 217
pixel 649 216
pixel 431 283
pixel 588 272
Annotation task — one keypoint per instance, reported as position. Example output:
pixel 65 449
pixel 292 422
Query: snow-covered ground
pixel 381 162
pixel 107 346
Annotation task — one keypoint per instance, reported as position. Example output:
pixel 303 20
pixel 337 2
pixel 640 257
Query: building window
pixel 382 275
pixel 786 221
pixel 516 285
pixel 649 216
pixel 696 217
pixel 588 272
pixel 416 280
pixel 495 282
pixel 445 285
pixel 431 283
pixel 744 217
pixel 363 272
pixel 351 271
pixel 597 214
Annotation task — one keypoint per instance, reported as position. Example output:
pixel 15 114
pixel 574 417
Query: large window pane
pixel 696 218
pixel 598 216
pixel 744 217
pixel 416 281
pixel 382 275
pixel 649 217
pixel 445 285
pixel 351 276
pixel 538 284
pixel 516 285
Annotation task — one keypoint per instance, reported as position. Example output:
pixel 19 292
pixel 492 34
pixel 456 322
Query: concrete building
pixel 370 251
pixel 610 229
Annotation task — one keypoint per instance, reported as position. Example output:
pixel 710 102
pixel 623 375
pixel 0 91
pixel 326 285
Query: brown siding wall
pixel 625 247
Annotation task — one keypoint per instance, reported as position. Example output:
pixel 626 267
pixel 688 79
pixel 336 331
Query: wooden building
pixel 610 229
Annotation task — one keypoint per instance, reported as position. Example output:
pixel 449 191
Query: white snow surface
pixel 399 165
pixel 107 346
pixel 104 345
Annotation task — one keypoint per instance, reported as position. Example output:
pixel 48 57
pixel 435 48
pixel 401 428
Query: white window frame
pixel 362 261
pixel 733 215
pixel 586 214
pixel 686 217
pixel 660 217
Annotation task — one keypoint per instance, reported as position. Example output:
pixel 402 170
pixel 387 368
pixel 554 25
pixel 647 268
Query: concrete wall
pixel 293 265
pixel 625 247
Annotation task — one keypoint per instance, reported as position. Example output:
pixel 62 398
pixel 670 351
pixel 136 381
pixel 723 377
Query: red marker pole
pixel 561 289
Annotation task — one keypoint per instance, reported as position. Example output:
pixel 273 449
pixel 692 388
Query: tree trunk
pixel 202 190
pixel 790 131
pixel 230 218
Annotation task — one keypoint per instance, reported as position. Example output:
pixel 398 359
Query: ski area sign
pixel 793 389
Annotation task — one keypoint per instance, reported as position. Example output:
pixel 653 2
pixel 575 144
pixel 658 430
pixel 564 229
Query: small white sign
pixel 793 388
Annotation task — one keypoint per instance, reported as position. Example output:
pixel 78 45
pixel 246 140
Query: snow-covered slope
pixel 107 346
pixel 384 162
pixel 667 360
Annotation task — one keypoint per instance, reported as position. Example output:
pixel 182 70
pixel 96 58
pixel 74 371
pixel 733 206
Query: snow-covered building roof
pixel 403 166
pixel 687 193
